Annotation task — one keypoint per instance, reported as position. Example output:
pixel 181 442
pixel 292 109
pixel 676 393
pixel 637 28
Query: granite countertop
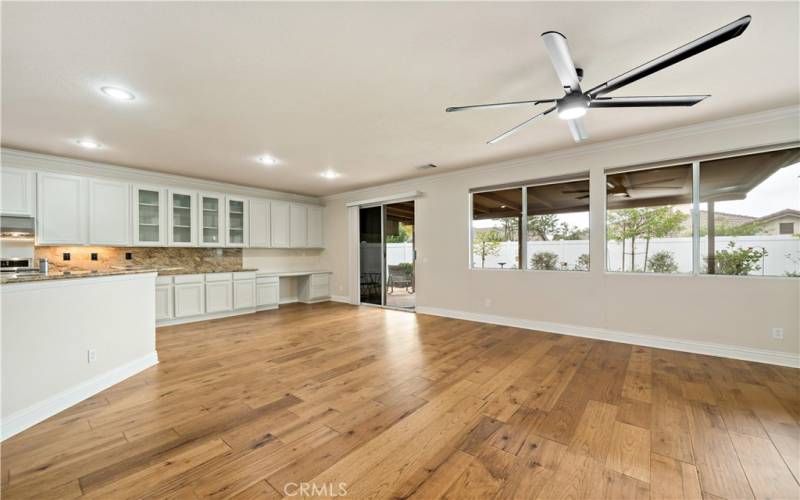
pixel 122 270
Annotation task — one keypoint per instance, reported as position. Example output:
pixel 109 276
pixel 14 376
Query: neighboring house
pixel 786 221
pixel 720 219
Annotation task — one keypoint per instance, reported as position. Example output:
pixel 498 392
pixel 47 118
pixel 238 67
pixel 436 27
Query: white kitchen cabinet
pixel 164 309
pixel 267 292
pixel 189 292
pixel 18 191
pixel 219 293
pixel 279 218
pixel 62 207
pixel 259 230
pixel 298 225
pixel 315 287
pixel 315 227
pixel 212 219
pixel 109 213
pixel 236 209
pixel 149 216
pixel 244 294
pixel 182 218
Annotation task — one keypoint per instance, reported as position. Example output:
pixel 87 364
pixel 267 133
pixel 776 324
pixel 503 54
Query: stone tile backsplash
pixel 157 257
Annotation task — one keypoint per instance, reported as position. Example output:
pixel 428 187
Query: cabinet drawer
pixel 214 277
pixel 319 291
pixel 319 280
pixel 267 280
pixel 266 295
pixel 247 275
pixel 163 280
pixel 188 278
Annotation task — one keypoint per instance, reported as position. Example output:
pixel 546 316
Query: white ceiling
pixel 359 87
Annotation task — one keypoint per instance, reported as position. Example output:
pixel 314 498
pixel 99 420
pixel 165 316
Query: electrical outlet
pixel 94 255
pixel 487 302
pixel 777 333
pixel 91 355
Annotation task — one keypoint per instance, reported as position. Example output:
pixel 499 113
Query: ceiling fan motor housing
pixel 572 106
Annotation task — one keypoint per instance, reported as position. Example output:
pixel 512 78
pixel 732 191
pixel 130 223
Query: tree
pixel 485 244
pixel 642 223
pixel 544 261
pixel 583 262
pixel 738 261
pixel 725 229
pixel 549 228
pixel 659 223
pixel 663 262
pixel 510 228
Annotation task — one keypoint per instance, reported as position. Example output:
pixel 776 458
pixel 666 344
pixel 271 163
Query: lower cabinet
pixel 164 309
pixel 219 295
pixel 315 288
pixel 267 293
pixel 244 294
pixel 189 291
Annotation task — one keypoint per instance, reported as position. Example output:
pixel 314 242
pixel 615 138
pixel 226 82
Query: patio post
pixel 712 265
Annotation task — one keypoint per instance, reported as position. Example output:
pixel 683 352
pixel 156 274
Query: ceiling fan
pixel 575 102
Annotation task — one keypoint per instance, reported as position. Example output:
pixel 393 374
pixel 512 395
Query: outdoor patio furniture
pixel 400 277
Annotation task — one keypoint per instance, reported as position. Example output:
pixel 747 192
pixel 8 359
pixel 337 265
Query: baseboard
pixel 673 344
pixel 340 298
pixel 205 317
pixel 288 300
pixel 32 415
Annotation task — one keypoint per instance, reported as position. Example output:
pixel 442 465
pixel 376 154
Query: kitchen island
pixel 68 337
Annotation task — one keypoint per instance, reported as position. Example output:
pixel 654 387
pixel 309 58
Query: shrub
pixel 544 261
pixel 583 262
pixel 662 262
pixel 738 261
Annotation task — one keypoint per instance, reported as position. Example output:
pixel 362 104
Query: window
pixel 748 207
pixel 558 226
pixel 648 220
pixel 496 229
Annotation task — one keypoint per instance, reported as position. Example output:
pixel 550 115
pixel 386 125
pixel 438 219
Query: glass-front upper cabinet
pixel 182 227
pixel 212 220
pixel 237 222
pixel 149 216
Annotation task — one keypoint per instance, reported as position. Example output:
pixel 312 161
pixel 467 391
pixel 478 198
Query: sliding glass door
pixel 386 242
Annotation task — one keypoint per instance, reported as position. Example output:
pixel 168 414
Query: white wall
pixel 732 311
pixel 47 330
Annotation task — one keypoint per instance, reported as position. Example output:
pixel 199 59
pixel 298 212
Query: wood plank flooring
pixel 319 400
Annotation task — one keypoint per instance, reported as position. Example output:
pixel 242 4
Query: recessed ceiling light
pixel 88 144
pixel 267 160
pixel 329 174
pixel 118 93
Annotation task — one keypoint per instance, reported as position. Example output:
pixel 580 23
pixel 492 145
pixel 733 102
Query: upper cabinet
pixel 18 191
pixel 61 209
pixel 259 224
pixel 109 213
pixel 279 217
pixel 315 227
pixel 238 222
pixel 212 219
pixel 298 226
pixel 149 216
pixel 182 221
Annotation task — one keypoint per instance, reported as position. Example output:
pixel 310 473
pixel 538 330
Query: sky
pixel 779 191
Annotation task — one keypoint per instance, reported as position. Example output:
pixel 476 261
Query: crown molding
pixel 753 119
pixel 46 162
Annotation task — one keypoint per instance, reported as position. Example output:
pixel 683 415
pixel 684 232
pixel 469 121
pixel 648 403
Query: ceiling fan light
pixel 571 111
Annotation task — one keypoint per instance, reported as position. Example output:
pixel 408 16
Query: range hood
pixel 18 228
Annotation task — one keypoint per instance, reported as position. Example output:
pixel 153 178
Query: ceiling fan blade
pixel 577 129
pixel 521 126
pixel 646 101
pixel 703 43
pixel 575 191
pixel 498 105
pixel 639 188
pixel 558 50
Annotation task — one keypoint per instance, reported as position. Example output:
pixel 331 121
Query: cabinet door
pixel 109 213
pixel 267 295
pixel 18 191
pixel 62 209
pixel 163 302
pixel 218 297
pixel 315 227
pixel 212 219
pixel 189 299
pixel 259 224
pixel 182 221
pixel 244 294
pixel 279 217
pixel 298 218
pixel 149 216
pixel 238 222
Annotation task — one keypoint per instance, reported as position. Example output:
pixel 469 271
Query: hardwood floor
pixel 392 404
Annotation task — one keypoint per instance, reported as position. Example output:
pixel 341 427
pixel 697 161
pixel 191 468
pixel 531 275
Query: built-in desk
pixel 312 286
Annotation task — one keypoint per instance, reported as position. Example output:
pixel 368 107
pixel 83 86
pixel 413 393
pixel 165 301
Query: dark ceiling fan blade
pixel 637 188
pixel 646 101
pixel 498 105
pixel 582 197
pixel 521 126
pixel 575 191
pixel 703 43
pixel 577 129
pixel 558 50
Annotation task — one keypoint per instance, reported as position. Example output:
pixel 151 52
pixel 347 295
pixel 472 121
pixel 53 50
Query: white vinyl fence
pixel 783 252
